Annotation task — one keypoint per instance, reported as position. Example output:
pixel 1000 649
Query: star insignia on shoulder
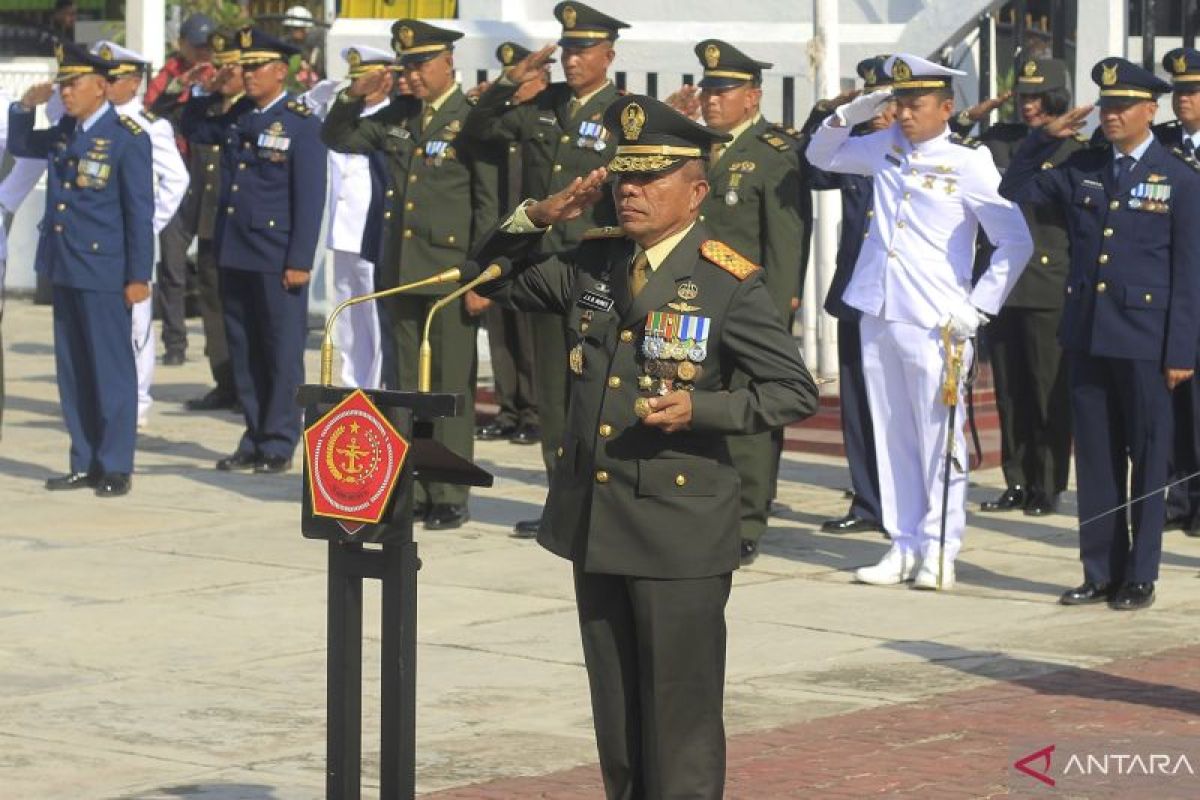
pixel 776 141
pixel 298 108
pixel 728 259
pixel 1185 158
pixel 131 125
pixel 965 141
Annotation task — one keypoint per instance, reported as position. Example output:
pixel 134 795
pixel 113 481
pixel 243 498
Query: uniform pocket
pixel 1152 298
pixel 1089 197
pixel 263 220
pixel 678 477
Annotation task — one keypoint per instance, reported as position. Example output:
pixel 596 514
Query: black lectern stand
pixel 386 552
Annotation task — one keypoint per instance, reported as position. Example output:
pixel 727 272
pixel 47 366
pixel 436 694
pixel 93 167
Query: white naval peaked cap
pixel 915 74
pixel 111 51
pixel 363 59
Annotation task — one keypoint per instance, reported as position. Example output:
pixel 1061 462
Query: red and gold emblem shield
pixel 354 458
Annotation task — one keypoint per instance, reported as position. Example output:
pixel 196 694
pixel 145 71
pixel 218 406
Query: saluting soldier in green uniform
pixel 643 498
pixel 562 136
pixel 431 215
pixel 759 206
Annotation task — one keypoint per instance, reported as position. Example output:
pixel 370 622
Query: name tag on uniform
pixel 892 159
pixel 595 300
pixel 547 121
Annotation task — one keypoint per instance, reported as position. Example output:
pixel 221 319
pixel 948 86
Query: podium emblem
pixel 354 459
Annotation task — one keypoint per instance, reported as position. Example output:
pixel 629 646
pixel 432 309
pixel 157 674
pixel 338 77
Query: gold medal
pixel 576 359
pixel 686 371
pixel 642 408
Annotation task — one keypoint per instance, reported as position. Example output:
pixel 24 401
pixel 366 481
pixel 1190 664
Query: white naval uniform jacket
pixel 349 196
pixel 19 182
pixel 171 175
pixel 930 199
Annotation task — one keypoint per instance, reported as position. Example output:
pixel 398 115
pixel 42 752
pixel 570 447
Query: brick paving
pixel 954 745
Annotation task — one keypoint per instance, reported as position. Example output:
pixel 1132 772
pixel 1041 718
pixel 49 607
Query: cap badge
pixel 901 71
pixel 399 48
pixel 870 78
pixel 106 53
pixel 218 42
pixel 569 17
pixel 712 56
pixel 406 36
pixel 246 37
pixel 353 57
pixel 633 119
pixel 1108 74
pixel 506 55
pixel 1030 69
pixel 60 54
pixel 1179 65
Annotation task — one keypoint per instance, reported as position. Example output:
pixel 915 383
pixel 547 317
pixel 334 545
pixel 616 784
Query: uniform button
pixel 558 167
pixel 387 215
pixel 1101 287
pixel 58 228
pixel 1103 258
pixel 412 178
pixel 270 223
pixel 891 253
pixel 908 195
pixel 451 239
pixel 245 145
pixel 1114 205
pixel 96 246
pixel 408 233
pixel 212 167
pixel 614 382
pixel 389 193
pixel 867 235
pixel 1149 297
pixel 1045 259
pixel 681 479
pixel 66 184
pixel 626 336
pixel 512 148
pixel 61 206
pixel 900 224
pixel 559 452
pixel 228 209
pixel 870 213
pixel 1068 290
pixel 208 187
pixel 410 205
pixel 565 138
pixel 233 188
pixel 1108 232
pixel 702 218
pixel 606 429
pixel 601 476
pixel 240 166
pixel 912 172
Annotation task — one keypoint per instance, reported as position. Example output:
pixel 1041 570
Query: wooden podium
pixel 384 551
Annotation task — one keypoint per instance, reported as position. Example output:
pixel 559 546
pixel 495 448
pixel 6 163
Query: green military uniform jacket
pixel 1041 284
pixel 556 146
pixel 629 499
pixel 204 188
pixel 438 201
pixel 758 205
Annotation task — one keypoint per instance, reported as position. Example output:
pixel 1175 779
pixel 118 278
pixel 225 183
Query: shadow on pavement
pixel 209 791
pixel 1048 678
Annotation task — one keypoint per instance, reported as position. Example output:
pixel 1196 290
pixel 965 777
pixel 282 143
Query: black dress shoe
pixel 113 484
pixel 174 358
pixel 445 517
pixel 1133 596
pixel 851 523
pixel 493 431
pixel 237 462
pixel 271 465
pixel 1037 504
pixel 215 400
pixel 526 434
pixel 73 480
pixel 420 512
pixel 1086 594
pixel 527 529
pixel 1013 497
pixel 1175 524
pixel 749 551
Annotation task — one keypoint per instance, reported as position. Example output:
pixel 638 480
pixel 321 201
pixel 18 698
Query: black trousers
pixel 1031 397
pixel 1183 499
pixel 216 348
pixel 858 435
pixel 655 655
pixel 170 286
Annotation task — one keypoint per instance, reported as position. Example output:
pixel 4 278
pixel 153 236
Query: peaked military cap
pixel 224 48
pixel 74 60
pixel 363 59
pixel 259 48
pixel 122 61
pixel 1122 82
pixel 1040 75
pixel 510 53
pixel 725 65
pixel 653 137
pixel 872 72
pixel 1184 65
pixel 584 26
pixel 415 41
pixel 915 75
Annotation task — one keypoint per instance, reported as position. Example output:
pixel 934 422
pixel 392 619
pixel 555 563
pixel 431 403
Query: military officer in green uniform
pixel 1027 363
pixel 431 217
pixel 562 137
pixel 643 497
pixel 759 206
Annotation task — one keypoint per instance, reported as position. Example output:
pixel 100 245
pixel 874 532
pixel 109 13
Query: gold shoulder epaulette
pixel 131 125
pixel 606 232
pixel 786 129
pixel 151 116
pixel 776 141
pixel 1079 137
pixel 298 108
pixel 727 259
pixel 1185 158
pixel 965 141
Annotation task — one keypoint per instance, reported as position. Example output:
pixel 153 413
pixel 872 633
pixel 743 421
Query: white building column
pixel 145 22
pixel 820 329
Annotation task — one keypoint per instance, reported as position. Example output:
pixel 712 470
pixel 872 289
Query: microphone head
pixel 499 268
pixel 469 271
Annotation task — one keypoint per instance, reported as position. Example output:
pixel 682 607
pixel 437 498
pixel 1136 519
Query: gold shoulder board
pixel 727 259
pixel 775 141
pixel 130 125
pixel 299 108
pixel 607 232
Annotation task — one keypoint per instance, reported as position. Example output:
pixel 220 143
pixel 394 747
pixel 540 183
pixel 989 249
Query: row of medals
pixel 92 170
pixel 673 347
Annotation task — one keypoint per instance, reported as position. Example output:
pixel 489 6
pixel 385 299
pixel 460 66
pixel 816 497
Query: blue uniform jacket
pixel 273 176
pixel 97 232
pixel 1133 289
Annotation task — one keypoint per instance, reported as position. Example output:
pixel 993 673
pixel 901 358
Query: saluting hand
pixel 370 83
pixel 1176 376
pixel 686 100
pixel 136 292
pixel 672 413
pixel 1068 124
pixel 294 278
pixel 569 202
pixel 37 94
pixel 531 66
pixel 981 110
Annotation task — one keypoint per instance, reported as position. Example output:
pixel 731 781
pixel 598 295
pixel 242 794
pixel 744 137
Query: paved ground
pixel 171 644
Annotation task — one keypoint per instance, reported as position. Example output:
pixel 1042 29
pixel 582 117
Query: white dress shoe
pixel 927 575
pixel 895 567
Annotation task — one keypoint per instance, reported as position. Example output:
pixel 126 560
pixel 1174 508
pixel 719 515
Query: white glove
pixel 863 108
pixel 963 321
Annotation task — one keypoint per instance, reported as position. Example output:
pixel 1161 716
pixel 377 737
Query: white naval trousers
pixel 904 366
pixel 143 355
pixel 356 331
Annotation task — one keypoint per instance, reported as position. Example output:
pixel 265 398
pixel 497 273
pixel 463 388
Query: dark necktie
pixel 1124 165
pixel 1189 148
